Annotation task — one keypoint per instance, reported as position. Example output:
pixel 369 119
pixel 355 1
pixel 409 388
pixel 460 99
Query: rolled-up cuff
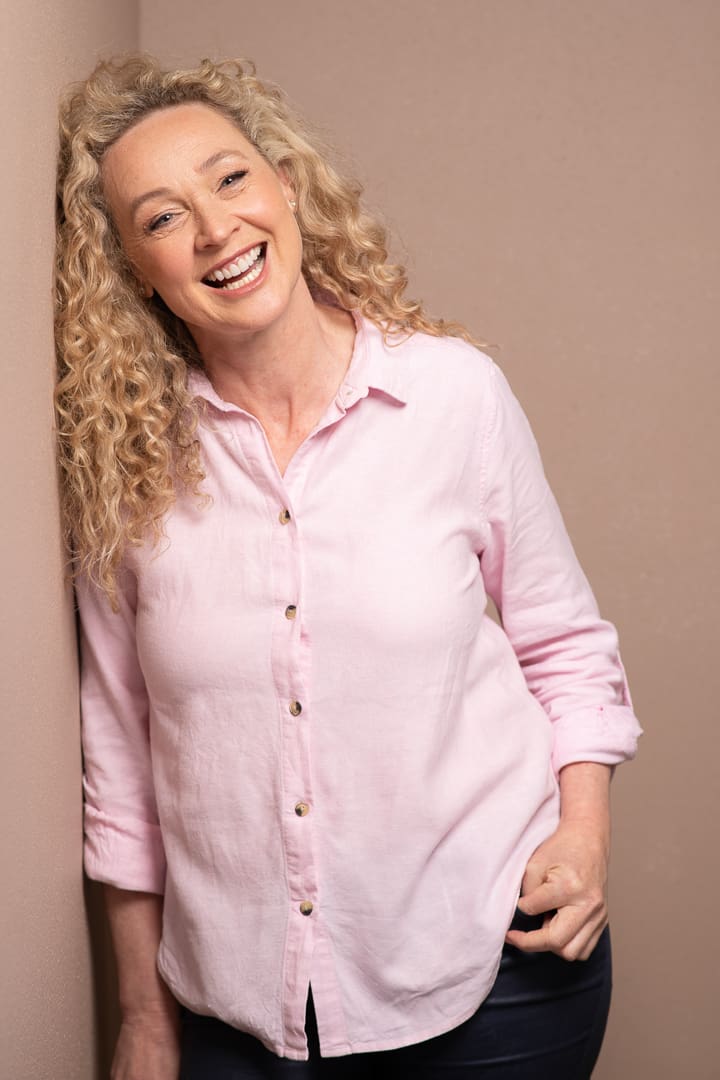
pixel 607 734
pixel 126 853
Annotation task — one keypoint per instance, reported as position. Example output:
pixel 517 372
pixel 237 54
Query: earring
pixel 292 204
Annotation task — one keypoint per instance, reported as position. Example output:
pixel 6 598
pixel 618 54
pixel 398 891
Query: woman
pixel 318 777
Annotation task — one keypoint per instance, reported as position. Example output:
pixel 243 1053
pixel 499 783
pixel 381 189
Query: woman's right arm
pixel 123 841
pixel 148 1044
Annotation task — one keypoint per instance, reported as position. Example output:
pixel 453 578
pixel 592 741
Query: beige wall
pixel 47 1025
pixel 553 167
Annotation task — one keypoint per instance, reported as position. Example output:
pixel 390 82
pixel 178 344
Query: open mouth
pixel 243 271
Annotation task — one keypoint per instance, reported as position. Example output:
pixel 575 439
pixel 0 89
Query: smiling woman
pixel 344 819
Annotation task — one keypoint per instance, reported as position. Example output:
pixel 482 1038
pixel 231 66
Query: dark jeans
pixel 543 1020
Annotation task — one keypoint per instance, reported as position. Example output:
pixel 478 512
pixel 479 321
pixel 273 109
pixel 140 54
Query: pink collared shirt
pixel 304 728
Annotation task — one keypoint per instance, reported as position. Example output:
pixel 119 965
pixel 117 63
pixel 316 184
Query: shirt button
pixel 302 809
pixel 284 517
pixel 306 908
pixel 295 708
pixel 290 611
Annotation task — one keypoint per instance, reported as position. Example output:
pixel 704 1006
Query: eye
pixel 160 221
pixel 233 178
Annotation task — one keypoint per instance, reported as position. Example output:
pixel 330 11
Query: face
pixel 205 220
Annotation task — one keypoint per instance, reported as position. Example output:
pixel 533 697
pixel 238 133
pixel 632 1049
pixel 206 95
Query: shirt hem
pixel 337 1049
pixel 378 1045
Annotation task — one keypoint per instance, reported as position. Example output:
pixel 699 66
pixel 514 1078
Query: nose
pixel 215 223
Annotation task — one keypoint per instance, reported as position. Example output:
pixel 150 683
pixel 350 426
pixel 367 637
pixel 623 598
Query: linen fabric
pixel 304 728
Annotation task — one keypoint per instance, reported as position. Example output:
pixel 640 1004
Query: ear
pixel 287 185
pixel 143 287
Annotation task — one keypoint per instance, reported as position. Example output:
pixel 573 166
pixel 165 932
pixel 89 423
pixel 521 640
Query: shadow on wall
pixel 106 1010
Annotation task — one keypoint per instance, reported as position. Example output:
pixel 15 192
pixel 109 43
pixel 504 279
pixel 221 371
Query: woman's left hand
pixel 566 877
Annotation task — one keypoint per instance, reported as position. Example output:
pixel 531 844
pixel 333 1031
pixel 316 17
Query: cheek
pixel 167 269
pixel 293 240
pixel 145 265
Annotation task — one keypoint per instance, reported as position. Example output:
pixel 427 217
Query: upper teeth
pixel 241 264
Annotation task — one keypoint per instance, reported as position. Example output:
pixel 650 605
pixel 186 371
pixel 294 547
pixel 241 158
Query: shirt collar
pixel 374 366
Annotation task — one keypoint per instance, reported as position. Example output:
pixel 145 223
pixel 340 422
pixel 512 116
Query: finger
pixel 546 896
pixel 569 931
pixel 567 934
pixel 533 877
pixel 578 948
pixel 559 890
pixel 530 941
pixel 584 951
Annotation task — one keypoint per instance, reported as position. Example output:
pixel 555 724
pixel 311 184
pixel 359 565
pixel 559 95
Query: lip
pixel 231 258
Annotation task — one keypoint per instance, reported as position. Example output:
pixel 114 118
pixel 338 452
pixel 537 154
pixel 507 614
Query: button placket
pixel 289 664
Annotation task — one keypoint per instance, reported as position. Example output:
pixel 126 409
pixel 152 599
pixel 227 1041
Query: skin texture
pixel 148 1044
pixel 187 191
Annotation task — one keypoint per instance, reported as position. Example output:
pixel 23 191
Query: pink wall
pixel 46 982
pixel 553 168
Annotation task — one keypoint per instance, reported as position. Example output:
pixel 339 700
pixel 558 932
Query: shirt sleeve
pixel 123 845
pixel 568 654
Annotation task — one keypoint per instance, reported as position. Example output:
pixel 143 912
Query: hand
pixel 148 1047
pixel 567 879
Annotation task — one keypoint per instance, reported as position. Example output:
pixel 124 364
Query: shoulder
pixel 446 371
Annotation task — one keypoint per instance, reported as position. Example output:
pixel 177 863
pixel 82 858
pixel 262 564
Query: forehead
pixel 177 136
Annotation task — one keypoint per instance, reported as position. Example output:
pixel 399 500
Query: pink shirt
pixel 303 727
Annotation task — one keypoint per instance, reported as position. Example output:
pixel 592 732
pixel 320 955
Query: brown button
pixel 295 708
pixel 302 809
pixel 284 516
pixel 290 611
pixel 306 908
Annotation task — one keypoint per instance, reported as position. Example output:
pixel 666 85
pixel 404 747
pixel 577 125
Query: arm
pixel 148 1044
pixel 568 653
pixel 570 660
pixel 123 845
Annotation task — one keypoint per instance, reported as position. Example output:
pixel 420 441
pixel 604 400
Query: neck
pixel 287 373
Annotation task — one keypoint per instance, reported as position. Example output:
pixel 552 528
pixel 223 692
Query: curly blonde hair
pixel 126 420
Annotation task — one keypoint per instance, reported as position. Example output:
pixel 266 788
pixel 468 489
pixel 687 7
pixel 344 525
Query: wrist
pixel 154 1002
pixel 585 796
pixel 157 1012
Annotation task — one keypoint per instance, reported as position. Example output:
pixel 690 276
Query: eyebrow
pixel 157 193
pixel 215 158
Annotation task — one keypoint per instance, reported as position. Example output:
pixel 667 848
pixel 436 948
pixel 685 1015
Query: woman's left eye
pixel 233 178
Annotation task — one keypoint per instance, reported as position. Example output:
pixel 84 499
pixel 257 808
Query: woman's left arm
pixel 569 657
pixel 566 877
pixel 568 653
